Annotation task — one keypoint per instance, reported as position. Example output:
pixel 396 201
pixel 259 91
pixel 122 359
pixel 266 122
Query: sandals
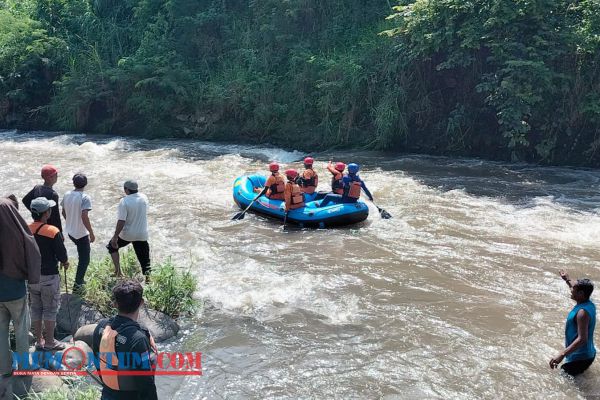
pixel 57 346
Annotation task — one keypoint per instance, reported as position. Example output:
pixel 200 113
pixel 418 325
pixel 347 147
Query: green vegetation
pixel 170 290
pixel 500 79
pixel 77 389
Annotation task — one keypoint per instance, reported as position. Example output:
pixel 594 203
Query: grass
pixel 76 389
pixel 171 289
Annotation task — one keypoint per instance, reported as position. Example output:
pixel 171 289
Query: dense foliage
pixel 495 78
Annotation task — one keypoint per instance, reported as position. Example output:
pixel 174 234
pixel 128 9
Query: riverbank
pixel 433 80
pixel 170 294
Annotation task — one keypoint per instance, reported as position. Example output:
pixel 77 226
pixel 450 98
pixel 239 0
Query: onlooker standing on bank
pixel 132 227
pixel 50 176
pixel 75 208
pixel 45 295
pixel 19 261
pixel 579 352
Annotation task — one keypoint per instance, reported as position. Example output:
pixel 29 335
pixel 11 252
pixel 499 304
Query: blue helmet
pixel 353 168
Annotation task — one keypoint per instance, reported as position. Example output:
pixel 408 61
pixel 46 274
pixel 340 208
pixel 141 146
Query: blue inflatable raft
pixel 309 216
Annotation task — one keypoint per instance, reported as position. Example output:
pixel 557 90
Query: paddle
pixel 284 220
pixel 384 214
pixel 240 215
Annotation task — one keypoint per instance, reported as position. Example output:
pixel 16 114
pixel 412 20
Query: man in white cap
pixel 132 227
pixel 45 295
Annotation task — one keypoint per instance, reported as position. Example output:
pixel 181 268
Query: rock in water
pixel 160 325
pixel 85 334
pixel 74 313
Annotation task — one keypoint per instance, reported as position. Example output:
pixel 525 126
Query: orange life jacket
pixel 296 197
pixel 276 186
pixel 337 183
pixel 354 190
pixel 310 180
pixel 110 363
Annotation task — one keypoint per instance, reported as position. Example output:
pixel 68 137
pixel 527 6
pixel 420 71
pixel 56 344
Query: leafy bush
pixel 170 290
pixel 500 79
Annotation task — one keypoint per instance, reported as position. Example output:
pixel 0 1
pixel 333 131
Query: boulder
pixel 73 313
pixel 79 357
pixel 67 339
pixel 160 325
pixel 41 384
pixel 21 385
pixel 85 334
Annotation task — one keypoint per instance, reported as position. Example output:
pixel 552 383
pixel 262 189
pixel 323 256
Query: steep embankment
pixel 498 79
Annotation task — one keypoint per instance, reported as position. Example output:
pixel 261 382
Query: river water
pixel 457 297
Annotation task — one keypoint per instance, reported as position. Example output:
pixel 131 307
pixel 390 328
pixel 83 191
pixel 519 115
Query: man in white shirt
pixel 132 227
pixel 75 208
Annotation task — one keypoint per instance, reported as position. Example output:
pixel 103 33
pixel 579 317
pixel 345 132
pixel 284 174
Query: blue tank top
pixel 588 350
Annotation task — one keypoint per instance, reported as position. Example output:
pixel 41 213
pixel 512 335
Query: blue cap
pixel 353 168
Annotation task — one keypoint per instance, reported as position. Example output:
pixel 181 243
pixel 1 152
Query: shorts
pixel 44 298
pixel 576 367
pixel 142 251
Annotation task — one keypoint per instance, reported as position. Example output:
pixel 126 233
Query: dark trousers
pixel 83 252
pixel 337 198
pixel 142 251
pixel 577 367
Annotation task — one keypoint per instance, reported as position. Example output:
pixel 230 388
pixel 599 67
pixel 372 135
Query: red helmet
pixel 273 167
pixel 309 161
pixel 291 173
pixel 340 166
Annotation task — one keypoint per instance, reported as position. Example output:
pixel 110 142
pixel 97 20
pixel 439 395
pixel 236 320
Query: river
pixel 457 297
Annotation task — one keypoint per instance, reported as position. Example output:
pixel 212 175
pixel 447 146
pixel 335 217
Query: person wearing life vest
pixel 122 336
pixel 352 186
pixel 293 195
pixel 44 296
pixel 308 180
pixel 275 183
pixel 337 184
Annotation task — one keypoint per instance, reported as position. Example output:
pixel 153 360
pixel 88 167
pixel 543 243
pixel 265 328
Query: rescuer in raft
pixel 292 194
pixel 275 183
pixel 337 184
pixel 308 180
pixel 351 187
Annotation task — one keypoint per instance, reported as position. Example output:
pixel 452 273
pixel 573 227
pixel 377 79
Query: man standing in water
pixel 75 207
pixel 132 227
pixel 50 176
pixel 579 352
